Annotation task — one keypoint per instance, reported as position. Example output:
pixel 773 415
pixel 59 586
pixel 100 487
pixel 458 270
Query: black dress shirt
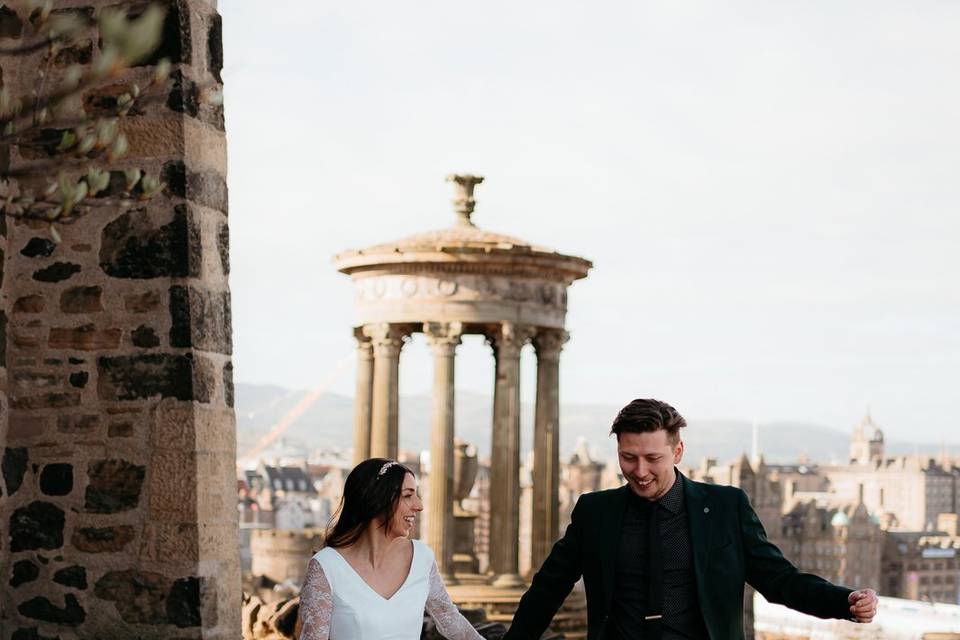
pixel 681 610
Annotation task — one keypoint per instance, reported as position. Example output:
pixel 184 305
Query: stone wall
pixel 118 516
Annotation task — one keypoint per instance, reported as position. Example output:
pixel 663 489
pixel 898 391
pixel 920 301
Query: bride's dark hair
pixel 371 490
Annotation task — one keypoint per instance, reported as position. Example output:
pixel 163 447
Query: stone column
pixel 387 340
pixel 363 402
pixel 546 445
pixel 443 338
pixel 119 508
pixel 505 456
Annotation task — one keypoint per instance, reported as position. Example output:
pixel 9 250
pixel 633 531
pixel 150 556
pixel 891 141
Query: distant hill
pixel 329 423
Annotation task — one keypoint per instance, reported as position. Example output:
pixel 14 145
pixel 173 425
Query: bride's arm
pixel 450 622
pixel 316 604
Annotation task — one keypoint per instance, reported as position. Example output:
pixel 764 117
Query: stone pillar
pixel 546 445
pixel 505 456
pixel 387 340
pixel 363 402
pixel 443 338
pixel 118 517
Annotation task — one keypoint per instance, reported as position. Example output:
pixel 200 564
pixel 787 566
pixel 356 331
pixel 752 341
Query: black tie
pixel 654 615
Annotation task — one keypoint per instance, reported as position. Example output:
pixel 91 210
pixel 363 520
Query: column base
pixel 508 581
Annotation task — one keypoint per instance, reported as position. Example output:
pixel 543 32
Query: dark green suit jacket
pixel 730 548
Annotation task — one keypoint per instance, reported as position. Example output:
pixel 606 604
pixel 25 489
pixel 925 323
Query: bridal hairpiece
pixel 386 466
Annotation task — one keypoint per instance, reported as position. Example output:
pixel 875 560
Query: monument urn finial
pixel 463 201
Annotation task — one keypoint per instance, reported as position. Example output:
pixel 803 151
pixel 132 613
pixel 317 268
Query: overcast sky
pixel 768 190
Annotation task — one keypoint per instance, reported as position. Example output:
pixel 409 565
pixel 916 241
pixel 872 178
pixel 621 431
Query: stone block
pixel 26 381
pixel 144 337
pixel 11 26
pixel 140 245
pixel 142 302
pixel 153 375
pixel 140 596
pixel 170 541
pixel 176 43
pixel 38 248
pixel 114 486
pixel 25 425
pixel 75 576
pixel 228 389
pixel 183 603
pixel 14 467
pixel 200 318
pixel 174 426
pixel 57 272
pixel 24 571
pixel 215 46
pixel 38 525
pixel 79 379
pixel 84 423
pixel 80 53
pixel 40 608
pixel 45 401
pixel 120 430
pixel 207 188
pixel 223 247
pixel 56 479
pixel 84 338
pixel 173 484
pixel 82 300
pixel 102 539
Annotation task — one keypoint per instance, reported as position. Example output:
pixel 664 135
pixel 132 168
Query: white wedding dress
pixel 336 603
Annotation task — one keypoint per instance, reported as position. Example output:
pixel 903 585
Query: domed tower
pixel 866 444
pixel 444 284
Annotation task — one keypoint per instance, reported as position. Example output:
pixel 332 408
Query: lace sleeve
pixel 316 604
pixel 450 622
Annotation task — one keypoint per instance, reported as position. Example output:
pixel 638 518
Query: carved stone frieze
pixel 462 287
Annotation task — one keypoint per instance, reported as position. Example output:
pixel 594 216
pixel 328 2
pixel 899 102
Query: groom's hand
pixel 863 605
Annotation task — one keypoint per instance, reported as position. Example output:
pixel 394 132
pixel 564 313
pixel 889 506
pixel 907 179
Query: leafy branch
pixel 88 139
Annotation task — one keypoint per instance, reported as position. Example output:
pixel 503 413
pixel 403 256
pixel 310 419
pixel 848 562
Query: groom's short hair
pixel 646 415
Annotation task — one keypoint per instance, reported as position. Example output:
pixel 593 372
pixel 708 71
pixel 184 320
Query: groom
pixel 666 557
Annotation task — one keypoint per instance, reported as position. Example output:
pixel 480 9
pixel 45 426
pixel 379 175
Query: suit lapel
pixel 698 512
pixel 611 528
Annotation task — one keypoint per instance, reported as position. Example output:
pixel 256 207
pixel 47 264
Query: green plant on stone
pixel 73 176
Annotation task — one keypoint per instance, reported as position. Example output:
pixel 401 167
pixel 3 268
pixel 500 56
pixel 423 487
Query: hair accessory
pixel 386 466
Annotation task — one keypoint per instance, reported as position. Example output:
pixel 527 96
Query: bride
pixel 371 581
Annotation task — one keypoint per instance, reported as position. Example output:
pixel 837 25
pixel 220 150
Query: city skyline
pixel 766 202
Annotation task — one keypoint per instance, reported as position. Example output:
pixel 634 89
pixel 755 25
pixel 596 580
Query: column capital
pixel 443 337
pixel 549 343
pixel 364 344
pixel 508 339
pixel 387 339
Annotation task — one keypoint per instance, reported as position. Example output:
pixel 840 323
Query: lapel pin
pixel 706 509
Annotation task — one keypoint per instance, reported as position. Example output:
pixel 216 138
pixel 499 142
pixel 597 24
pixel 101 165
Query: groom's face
pixel 646 460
